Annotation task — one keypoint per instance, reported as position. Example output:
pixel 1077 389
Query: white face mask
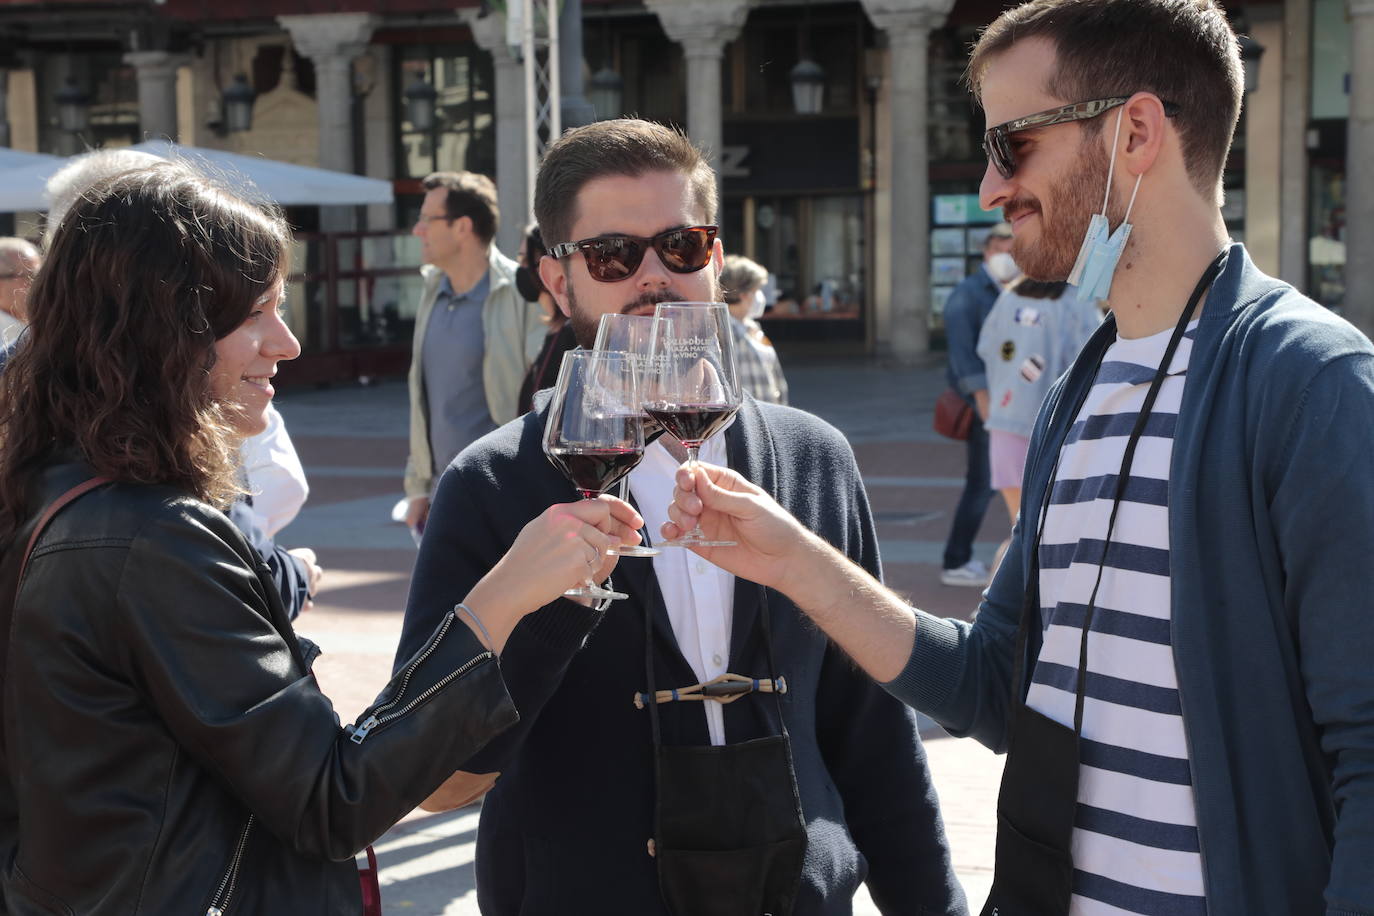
pixel 1101 250
pixel 1002 267
pixel 758 305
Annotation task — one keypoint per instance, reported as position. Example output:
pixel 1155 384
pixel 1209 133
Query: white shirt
pixel 10 328
pixel 275 476
pixel 698 596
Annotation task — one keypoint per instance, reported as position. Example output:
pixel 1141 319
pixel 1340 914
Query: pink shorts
pixel 1007 458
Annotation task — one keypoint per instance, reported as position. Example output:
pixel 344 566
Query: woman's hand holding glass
pixel 567 544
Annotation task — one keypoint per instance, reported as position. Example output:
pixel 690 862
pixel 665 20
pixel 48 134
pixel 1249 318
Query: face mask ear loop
pixel 1131 206
pixel 1111 167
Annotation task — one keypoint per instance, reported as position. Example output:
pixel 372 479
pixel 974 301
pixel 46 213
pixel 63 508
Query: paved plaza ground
pixel 353 443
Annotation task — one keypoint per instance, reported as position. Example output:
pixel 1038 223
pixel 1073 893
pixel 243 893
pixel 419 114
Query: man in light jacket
pixel 475 335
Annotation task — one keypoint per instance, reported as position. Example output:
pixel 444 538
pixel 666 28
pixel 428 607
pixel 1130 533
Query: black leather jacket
pixel 166 749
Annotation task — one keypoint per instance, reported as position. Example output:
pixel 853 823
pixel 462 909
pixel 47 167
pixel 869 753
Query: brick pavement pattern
pixel 353 444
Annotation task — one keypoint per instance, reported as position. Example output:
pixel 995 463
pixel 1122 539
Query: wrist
pixel 807 574
pixel 497 613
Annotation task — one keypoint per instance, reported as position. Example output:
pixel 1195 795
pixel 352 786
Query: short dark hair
pixel 470 195
pixel 147 270
pixel 623 146
pixel 535 249
pixel 1184 51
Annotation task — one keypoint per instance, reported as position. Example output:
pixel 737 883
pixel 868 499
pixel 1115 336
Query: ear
pixel 555 278
pixel 463 225
pixel 718 257
pixel 1143 129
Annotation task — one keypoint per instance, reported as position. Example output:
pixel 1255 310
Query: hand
pixel 417 513
pixel 313 574
pixel 982 402
pixel 728 507
pixel 567 545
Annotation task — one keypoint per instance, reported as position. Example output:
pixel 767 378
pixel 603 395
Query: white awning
pixel 14 159
pixel 252 176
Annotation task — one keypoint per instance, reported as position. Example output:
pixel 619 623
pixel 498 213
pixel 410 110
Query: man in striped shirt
pixel 1225 744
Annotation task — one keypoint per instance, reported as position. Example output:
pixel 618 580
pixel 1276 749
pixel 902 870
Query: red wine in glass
pixel 652 430
pixel 691 424
pixel 593 471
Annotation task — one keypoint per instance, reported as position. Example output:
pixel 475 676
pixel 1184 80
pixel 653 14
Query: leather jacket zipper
pixel 383 714
pixel 219 904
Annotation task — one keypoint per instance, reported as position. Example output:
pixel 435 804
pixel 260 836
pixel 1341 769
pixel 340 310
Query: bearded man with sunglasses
pixel 806 794
pixel 1175 652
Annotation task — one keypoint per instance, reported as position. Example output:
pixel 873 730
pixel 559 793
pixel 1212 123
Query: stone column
pixel 903 322
pixel 703 28
pixel 1359 170
pixel 157 92
pixel 1293 168
pixel 1264 143
pixel 332 41
pixel 489 32
pixel 574 109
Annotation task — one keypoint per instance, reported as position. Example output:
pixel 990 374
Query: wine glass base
pixel 639 550
pixel 594 591
pixel 697 542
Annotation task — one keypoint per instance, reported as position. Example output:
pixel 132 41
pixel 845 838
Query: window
pixel 464 134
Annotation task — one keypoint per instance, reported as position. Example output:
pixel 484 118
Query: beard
pixel 585 322
pixel 1074 198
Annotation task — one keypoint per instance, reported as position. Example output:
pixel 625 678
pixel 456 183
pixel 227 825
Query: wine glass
pixel 690 388
pixel 632 334
pixel 592 432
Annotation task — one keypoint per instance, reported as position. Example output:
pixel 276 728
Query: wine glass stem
pixel 696 533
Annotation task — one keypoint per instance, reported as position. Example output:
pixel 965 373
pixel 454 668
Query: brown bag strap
pixel 56 506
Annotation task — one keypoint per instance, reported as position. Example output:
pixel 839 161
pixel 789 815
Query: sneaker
pixel 974 573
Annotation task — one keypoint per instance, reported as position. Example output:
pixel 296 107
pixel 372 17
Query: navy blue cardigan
pixel 1271 522
pixel 566 827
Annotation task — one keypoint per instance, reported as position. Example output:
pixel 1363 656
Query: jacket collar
pixel 500 270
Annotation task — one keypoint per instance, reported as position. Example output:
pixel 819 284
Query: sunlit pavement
pixel 353 443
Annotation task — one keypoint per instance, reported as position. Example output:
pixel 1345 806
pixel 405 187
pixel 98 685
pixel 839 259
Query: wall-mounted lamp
pixel 808 78
pixel 238 101
pixel 420 101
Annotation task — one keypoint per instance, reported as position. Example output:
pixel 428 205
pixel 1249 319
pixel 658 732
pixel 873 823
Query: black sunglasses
pixel 616 257
pixel 997 140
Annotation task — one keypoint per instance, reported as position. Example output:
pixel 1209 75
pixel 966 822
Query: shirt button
pixel 700 568
pixel 717 659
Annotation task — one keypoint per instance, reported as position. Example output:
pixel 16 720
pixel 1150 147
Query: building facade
pixel 861 198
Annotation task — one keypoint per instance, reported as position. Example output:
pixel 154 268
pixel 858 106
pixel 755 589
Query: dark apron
pixel 1038 799
pixel 729 837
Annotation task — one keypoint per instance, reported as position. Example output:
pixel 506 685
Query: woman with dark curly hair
pixel 164 746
